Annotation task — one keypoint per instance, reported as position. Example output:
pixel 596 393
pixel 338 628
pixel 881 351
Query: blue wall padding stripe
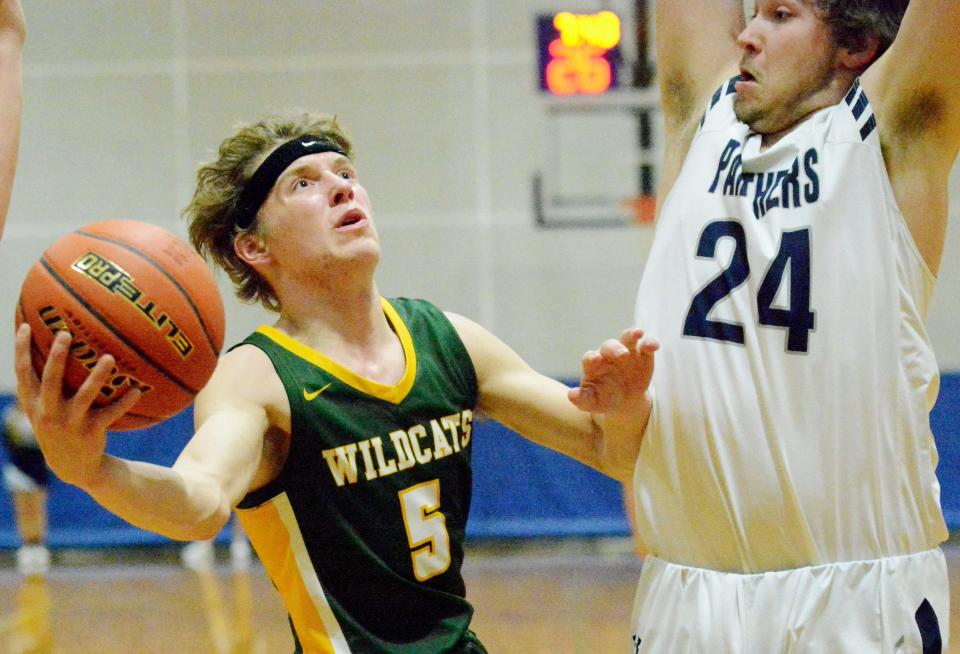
pixel 520 489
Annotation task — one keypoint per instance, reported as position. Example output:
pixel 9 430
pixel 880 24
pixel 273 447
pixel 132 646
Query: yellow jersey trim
pixel 393 394
pixel 275 535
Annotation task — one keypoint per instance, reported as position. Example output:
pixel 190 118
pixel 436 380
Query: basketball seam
pixel 173 280
pixel 103 321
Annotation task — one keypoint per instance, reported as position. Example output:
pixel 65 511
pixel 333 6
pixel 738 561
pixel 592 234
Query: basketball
pixel 139 293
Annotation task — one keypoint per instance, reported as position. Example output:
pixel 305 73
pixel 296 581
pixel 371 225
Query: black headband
pixel 258 187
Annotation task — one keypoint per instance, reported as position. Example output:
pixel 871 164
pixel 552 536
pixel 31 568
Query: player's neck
pixel 342 320
pixel 767 141
pixel 827 96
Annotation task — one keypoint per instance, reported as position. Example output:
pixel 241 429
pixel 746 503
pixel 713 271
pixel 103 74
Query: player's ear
pixel 249 246
pixel 861 54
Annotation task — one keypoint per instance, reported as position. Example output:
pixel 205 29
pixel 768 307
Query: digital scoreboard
pixel 579 53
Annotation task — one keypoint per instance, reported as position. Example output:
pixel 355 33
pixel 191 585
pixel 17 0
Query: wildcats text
pixel 402 449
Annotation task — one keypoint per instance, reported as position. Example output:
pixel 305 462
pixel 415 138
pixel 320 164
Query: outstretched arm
pixel 537 407
pixel 696 45
pixel 190 501
pixel 615 388
pixel 12 33
pixel 914 89
pixel 531 404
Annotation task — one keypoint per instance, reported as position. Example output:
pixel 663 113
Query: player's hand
pixel 616 377
pixel 71 431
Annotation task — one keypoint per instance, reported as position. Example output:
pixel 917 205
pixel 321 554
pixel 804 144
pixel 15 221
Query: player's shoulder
pixel 245 373
pixel 471 334
pixel 413 306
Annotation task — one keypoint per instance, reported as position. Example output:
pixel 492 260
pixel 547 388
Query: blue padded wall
pixel 520 489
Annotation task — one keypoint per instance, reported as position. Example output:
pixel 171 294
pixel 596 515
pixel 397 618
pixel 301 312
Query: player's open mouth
pixel 351 218
pixel 746 82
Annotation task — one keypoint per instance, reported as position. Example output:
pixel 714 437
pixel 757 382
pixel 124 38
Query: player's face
pixel 788 59
pixel 319 213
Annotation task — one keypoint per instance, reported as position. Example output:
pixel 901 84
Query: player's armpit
pixel 696 45
pixel 915 85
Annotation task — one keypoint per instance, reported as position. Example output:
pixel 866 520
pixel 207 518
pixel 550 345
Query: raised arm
pixel 12 34
pixel 915 91
pixel 190 501
pixel 696 45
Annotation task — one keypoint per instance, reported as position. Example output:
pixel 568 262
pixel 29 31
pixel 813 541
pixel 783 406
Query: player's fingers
pixel 27 381
pixel 85 396
pixel 51 384
pixel 110 413
pixel 612 348
pixel 648 345
pixel 630 336
pixel 582 397
pixel 593 364
pixel 589 359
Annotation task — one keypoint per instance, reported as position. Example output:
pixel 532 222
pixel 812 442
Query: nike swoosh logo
pixel 310 396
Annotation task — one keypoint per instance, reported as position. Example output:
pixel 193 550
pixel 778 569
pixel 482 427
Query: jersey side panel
pixel 274 533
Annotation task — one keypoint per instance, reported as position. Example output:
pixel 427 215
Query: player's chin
pixel 750 112
pixel 746 109
pixel 363 249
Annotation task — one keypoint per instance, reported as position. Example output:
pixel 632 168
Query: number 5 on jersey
pixel 426 529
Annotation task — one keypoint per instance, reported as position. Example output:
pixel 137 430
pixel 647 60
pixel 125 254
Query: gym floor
pixel 531 597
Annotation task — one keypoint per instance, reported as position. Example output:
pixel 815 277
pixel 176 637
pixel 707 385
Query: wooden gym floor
pixel 554 597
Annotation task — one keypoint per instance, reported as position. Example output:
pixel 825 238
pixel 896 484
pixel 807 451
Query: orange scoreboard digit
pixel 579 53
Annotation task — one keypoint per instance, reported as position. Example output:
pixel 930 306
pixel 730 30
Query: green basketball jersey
pixel 362 532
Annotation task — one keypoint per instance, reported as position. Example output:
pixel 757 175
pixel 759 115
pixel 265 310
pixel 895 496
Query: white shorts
pixel 896 605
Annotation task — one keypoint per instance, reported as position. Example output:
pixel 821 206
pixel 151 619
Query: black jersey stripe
pixel 732 84
pixel 725 89
pixel 716 97
pixel 852 92
pixel 868 127
pixel 860 106
pixel 106 323
pixel 152 262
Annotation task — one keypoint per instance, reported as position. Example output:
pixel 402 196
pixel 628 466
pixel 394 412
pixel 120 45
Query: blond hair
pixel 212 210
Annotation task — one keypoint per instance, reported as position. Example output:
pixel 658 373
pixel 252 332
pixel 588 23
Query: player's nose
pixel 341 190
pixel 749 38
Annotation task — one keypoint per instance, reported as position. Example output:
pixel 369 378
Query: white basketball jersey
pixel 794 381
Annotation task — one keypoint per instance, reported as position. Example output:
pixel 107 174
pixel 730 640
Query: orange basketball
pixel 135 291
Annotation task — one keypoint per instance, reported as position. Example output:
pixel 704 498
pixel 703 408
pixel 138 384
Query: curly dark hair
pixel 211 212
pixel 852 21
